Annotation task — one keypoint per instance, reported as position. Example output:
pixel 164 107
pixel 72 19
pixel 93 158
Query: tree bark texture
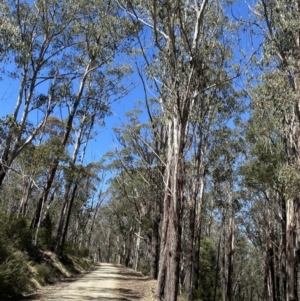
pixel 154 259
pixel 168 277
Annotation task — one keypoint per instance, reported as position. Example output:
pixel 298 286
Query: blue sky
pixel 106 140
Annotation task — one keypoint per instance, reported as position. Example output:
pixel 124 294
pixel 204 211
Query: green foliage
pixel 19 233
pixel 44 273
pixel 208 257
pixel 14 274
pixel 17 251
pixel 45 235
pixel 70 249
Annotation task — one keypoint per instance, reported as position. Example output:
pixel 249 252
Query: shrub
pixel 45 234
pixel 70 249
pixel 44 273
pixel 14 275
pixel 20 235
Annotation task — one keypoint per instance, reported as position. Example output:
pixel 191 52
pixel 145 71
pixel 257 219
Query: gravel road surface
pixel 106 283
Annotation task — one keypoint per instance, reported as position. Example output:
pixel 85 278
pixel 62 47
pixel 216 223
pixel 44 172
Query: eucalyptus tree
pixel 214 146
pixel 187 42
pixel 140 156
pixel 90 69
pixel 126 213
pixel 137 173
pixel 91 112
pixel 279 94
pixel 81 206
pixel 36 36
pixel 265 183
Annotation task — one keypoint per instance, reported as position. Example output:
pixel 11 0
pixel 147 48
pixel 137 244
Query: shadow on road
pixel 91 287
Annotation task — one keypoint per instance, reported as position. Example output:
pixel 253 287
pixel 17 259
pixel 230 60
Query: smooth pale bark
pixel 93 222
pixel 27 187
pixel 137 246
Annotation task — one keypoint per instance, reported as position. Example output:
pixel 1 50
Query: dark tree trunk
pixel 42 200
pixel 168 277
pixel 190 254
pixel 272 271
pixel 283 247
pixel 291 264
pixel 62 215
pixel 154 249
pixel 230 261
pixel 193 254
pixel 61 248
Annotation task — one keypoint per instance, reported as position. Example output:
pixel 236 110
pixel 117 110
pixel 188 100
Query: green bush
pixel 14 275
pixel 70 249
pixel 44 273
pixel 208 257
pixel 144 268
pixel 14 272
pixel 45 235
pixel 20 235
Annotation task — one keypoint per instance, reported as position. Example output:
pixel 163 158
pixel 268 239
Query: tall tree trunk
pixel 193 253
pixel 63 240
pixel 190 253
pixel 270 285
pixel 70 179
pixel 154 259
pixel 50 178
pixel 197 236
pixel 62 215
pixel 291 264
pixel 137 247
pixel 168 276
pixel 23 204
pixel 283 247
pixel 230 261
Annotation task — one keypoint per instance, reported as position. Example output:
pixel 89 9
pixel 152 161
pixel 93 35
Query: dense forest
pixel 201 190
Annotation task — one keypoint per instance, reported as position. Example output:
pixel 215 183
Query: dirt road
pixel 107 282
